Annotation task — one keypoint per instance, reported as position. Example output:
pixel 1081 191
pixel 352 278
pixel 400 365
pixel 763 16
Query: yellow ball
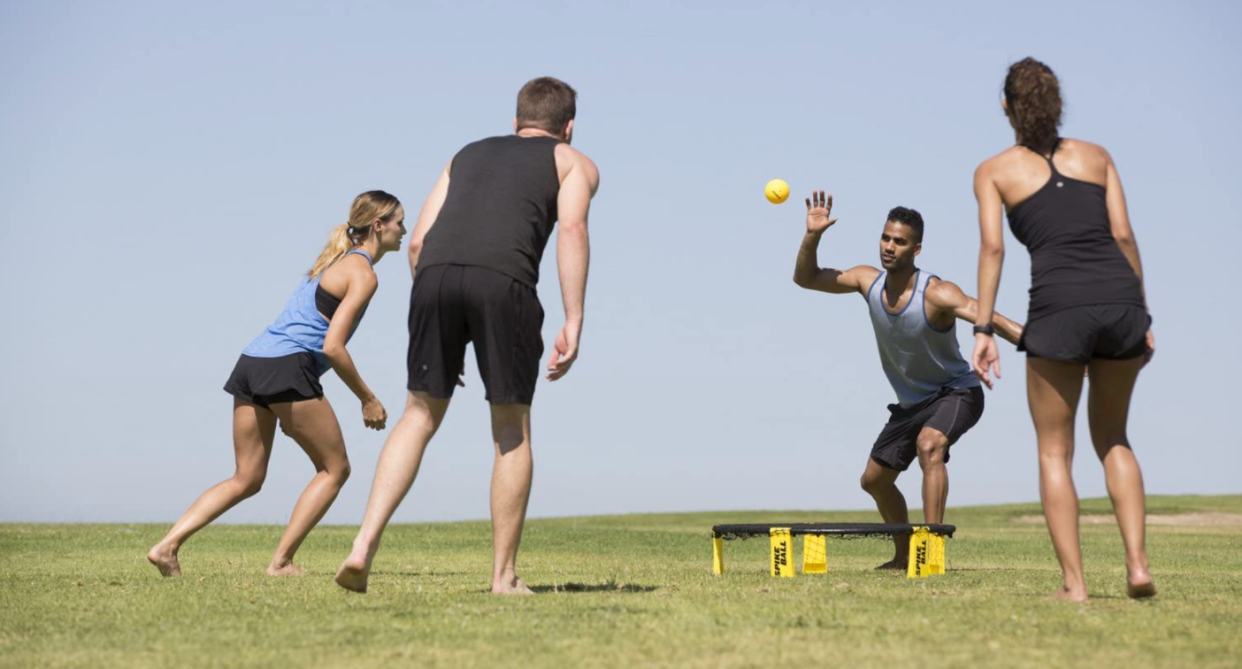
pixel 777 191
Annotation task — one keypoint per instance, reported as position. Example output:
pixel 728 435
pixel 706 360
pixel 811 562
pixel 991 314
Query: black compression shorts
pixel 952 412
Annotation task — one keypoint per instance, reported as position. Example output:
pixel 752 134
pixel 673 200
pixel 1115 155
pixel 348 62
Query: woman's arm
pixel 360 287
pixel 991 259
pixel 1119 225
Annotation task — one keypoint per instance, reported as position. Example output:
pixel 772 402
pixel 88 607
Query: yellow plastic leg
pixel 717 555
pixel 935 554
pixel 814 554
pixel 782 548
pixel 917 567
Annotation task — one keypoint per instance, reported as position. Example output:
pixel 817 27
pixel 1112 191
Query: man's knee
pixel 874 484
pixel 931 446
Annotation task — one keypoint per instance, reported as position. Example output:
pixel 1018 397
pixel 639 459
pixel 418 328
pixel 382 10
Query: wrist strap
pixel 985 329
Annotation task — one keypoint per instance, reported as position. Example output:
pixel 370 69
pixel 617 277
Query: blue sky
pixel 170 168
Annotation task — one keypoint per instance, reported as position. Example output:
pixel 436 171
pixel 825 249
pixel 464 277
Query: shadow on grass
pixel 610 586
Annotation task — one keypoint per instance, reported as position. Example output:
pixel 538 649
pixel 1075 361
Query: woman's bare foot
pixel 283 569
pixel 896 563
pixel 1139 584
pixel 164 560
pixel 354 573
pixel 1066 594
pixel 513 587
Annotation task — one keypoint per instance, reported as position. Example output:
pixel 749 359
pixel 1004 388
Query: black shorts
pixel 952 411
pixel 452 305
pixel 266 381
pixel 1078 334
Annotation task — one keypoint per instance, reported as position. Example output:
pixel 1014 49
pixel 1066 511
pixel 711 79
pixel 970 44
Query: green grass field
pixel 619 591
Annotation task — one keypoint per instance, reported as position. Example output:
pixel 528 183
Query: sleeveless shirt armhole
pixel 925 318
pixel 872 286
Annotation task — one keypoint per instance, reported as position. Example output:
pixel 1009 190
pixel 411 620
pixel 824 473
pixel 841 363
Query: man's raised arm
pixel 807 272
pixel 573 258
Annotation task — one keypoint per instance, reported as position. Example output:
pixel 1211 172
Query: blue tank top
pixel 300 328
pixel 918 359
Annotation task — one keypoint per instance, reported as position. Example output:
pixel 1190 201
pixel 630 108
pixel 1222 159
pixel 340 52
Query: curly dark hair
pixel 909 217
pixel 1034 98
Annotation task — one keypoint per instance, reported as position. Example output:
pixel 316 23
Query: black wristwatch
pixel 984 329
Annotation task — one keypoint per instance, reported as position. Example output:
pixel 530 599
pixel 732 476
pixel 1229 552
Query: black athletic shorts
pixel 952 411
pixel 452 305
pixel 1078 334
pixel 267 381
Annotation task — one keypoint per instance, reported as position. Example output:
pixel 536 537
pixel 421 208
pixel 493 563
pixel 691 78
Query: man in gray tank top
pixel 475 255
pixel 914 314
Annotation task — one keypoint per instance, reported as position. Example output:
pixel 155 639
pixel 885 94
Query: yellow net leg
pixel 717 555
pixel 782 548
pixel 917 567
pixel 814 554
pixel 935 554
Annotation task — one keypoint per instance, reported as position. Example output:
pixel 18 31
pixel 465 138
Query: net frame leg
pixel 718 567
pixel 814 554
pixel 781 558
pixel 917 566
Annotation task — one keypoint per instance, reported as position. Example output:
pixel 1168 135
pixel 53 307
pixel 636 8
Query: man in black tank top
pixel 475 255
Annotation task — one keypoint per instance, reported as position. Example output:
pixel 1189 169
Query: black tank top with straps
pixel 500 208
pixel 1075 261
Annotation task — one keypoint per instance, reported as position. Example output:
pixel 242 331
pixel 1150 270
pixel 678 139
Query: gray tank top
pixel 918 359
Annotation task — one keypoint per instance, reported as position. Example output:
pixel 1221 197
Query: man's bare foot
pixel 1064 594
pixel 164 560
pixel 353 573
pixel 896 563
pixel 514 587
pixel 286 569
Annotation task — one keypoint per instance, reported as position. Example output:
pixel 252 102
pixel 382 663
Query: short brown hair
pixel 546 103
pixel 1034 98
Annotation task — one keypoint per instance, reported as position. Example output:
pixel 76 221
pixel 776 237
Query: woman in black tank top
pixel 1087 310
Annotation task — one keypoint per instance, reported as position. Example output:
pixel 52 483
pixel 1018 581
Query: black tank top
pixel 1074 259
pixel 500 208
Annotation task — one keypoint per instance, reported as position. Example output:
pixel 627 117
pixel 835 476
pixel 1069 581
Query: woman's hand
pixel 985 359
pixel 373 414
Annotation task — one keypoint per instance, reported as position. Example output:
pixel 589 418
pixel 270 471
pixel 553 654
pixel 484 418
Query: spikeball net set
pixel 927 546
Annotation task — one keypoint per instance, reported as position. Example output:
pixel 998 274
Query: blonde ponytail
pixel 371 205
pixel 339 243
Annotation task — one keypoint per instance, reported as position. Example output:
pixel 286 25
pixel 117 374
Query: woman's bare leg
pixel 254 428
pixel 395 473
pixel 1108 407
pixel 1052 390
pixel 313 425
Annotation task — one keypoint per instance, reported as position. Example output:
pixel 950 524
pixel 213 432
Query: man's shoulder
pixel 572 157
pixel 569 159
pixel 942 292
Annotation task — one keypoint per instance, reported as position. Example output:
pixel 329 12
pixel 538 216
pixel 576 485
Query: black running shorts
pixel 952 411
pixel 1078 334
pixel 267 381
pixel 453 305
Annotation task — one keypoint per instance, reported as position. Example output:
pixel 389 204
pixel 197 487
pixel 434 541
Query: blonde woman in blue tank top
pixel 1088 311
pixel 276 381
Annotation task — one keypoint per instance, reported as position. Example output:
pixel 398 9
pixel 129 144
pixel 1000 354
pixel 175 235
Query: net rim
pixel 844 530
